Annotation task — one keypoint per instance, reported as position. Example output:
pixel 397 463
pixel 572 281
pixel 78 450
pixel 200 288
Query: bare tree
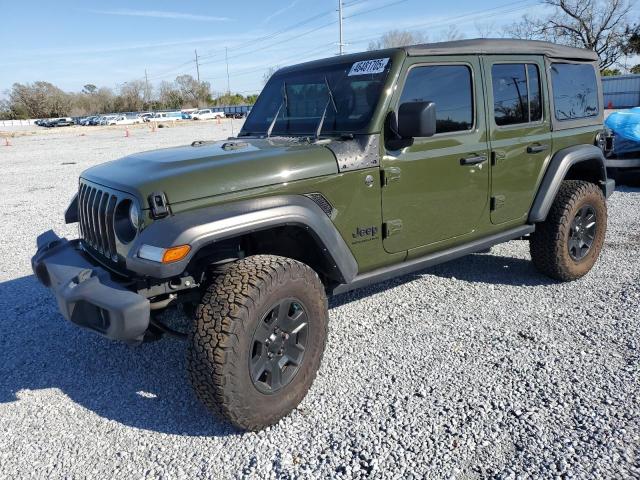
pixel 170 96
pixel 397 38
pixel 132 95
pixel 598 25
pixel 269 73
pixel 485 29
pixel 451 33
pixel 193 93
pixel 40 99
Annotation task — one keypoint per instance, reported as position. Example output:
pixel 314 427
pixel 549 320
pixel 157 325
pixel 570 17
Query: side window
pixel 575 91
pixel 450 88
pixel 516 93
pixel 535 99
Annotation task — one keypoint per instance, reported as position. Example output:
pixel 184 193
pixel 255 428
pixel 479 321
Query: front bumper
pixel 86 293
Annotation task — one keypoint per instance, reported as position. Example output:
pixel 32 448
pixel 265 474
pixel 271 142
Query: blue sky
pixel 72 43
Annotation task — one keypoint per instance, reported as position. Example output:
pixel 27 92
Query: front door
pixel 437 189
pixel 520 133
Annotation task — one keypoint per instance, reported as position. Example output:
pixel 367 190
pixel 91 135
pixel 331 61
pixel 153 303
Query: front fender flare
pixel 557 171
pixel 212 224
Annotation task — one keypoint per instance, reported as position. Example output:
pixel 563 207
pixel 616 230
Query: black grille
pixel 96 207
pixel 322 202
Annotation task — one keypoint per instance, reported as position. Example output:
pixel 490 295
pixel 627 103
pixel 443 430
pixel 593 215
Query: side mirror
pixel 417 119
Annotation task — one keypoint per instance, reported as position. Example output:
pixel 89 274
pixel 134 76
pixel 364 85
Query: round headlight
pixel 134 216
pixel 123 221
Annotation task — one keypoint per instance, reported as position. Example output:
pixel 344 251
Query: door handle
pixel 537 148
pixel 475 160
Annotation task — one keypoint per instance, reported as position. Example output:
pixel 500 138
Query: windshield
pixel 339 98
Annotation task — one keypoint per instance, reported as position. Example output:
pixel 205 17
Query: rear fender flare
pixel 557 171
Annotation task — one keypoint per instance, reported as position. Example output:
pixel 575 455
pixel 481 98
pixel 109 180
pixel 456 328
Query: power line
pixel 274 34
pixel 278 62
pixel 341 5
pixel 266 47
pixel 466 17
pixel 365 12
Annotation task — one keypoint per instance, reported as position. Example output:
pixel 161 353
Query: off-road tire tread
pixel 221 323
pixel 547 247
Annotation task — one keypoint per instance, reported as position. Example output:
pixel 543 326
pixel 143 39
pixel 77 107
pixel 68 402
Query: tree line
pixel 603 26
pixel 44 100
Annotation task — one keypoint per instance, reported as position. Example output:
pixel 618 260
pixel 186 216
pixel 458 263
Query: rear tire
pixel 257 340
pixel 567 244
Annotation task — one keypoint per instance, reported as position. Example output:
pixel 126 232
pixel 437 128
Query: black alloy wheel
pixel 582 232
pixel 278 346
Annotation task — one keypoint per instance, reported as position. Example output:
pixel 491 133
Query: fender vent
pixel 322 202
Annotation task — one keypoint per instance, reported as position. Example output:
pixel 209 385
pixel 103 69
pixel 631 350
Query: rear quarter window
pixel 575 91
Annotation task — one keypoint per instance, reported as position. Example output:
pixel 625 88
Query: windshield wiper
pixel 283 103
pixel 331 101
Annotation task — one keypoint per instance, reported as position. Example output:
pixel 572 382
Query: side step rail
pixel 417 264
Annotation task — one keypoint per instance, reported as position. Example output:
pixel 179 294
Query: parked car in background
pixel 87 120
pixel 165 117
pixel 60 122
pixel 145 116
pixel 106 120
pixel 124 120
pixel 207 114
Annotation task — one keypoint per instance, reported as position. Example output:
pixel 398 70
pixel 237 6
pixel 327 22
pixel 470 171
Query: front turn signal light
pixel 164 255
pixel 175 254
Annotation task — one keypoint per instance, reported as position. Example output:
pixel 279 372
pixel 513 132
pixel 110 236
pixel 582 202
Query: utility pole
pixel 197 66
pixel 226 57
pixel 146 86
pixel 340 42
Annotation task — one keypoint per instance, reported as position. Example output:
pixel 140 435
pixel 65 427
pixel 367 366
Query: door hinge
pixel 497 202
pixel 389 175
pixel 391 227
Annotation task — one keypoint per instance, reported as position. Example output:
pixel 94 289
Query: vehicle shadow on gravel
pixel 144 387
pixel 474 268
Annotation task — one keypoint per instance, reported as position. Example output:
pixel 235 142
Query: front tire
pixel 257 340
pixel 567 244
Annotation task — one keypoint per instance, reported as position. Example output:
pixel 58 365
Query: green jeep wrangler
pixel 348 171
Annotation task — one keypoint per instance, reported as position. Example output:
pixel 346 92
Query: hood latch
pixel 159 205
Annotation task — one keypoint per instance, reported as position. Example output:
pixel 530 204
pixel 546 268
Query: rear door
pixel 519 132
pixel 437 189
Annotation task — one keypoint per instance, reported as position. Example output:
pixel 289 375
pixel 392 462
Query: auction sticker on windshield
pixel 367 67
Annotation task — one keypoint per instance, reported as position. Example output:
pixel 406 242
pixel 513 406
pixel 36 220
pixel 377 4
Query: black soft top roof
pixel 502 46
pixel 489 46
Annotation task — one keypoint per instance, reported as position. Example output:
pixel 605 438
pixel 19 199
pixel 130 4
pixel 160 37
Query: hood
pixel 206 169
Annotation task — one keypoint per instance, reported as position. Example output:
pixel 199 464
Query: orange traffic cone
pixel 218 120
pixel 153 126
pixel 126 132
pixel 6 142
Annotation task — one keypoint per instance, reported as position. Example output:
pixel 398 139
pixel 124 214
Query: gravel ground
pixel 477 368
